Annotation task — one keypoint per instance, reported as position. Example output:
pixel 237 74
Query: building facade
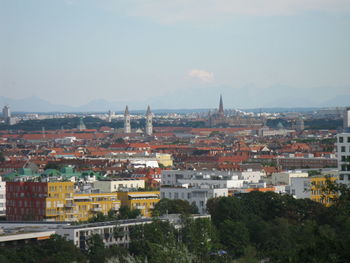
pixel 54 201
pixel 343 157
pixel 2 198
pixel 142 200
pixel 119 185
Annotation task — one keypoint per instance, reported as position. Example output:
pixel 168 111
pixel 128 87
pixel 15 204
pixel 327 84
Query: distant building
pixel 299 126
pixel 127 124
pixel 218 118
pixel 6 115
pixel 81 126
pixel 149 125
pixel 6 112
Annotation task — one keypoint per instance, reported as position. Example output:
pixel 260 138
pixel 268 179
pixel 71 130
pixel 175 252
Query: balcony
pixel 96 209
pixel 69 205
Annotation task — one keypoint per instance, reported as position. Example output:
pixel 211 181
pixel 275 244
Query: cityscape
pixel 174 131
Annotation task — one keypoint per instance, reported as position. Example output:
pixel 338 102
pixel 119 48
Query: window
pixel 341 177
pixel 341 139
pixel 342 149
pixel 348 139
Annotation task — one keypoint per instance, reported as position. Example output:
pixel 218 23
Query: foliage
pixel 176 206
pixel 283 229
pixel 54 250
pixel 124 212
pixel 2 157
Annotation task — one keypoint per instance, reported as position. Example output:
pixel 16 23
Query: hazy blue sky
pixel 74 51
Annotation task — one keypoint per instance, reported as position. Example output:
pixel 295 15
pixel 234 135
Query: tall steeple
pixel 149 126
pixel 221 106
pixel 127 125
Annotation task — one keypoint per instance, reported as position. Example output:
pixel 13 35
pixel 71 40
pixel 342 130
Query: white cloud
pixel 201 75
pixel 173 11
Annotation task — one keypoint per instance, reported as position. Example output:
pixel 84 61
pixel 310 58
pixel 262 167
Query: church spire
pixel 221 106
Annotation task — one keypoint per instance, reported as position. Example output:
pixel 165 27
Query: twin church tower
pixel 127 123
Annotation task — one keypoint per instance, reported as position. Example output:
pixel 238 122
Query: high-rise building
pixel 300 124
pixel 343 156
pixel 149 126
pixel 221 107
pixel 81 126
pixel 346 120
pixel 6 112
pixel 2 197
pixel 127 124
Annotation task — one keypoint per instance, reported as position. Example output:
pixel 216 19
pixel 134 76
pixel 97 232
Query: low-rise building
pixel 142 200
pixel 119 184
pixel 286 177
pixel 318 193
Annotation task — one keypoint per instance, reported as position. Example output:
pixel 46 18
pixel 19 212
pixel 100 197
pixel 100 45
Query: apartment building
pixel 2 198
pixel 142 200
pixel 119 184
pixel 317 193
pixel 198 186
pixel 54 201
pixel 343 157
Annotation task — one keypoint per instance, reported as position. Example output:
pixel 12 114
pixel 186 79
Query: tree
pixel 96 249
pixel 2 157
pixel 176 206
pixel 126 213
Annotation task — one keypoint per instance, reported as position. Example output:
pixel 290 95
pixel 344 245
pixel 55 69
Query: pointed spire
pixel 148 112
pixel 221 106
pixel 126 112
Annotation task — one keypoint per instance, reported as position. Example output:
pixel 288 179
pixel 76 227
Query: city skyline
pixel 290 54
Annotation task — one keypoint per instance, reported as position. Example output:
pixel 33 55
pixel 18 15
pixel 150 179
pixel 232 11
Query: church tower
pixel 221 107
pixel 127 125
pixel 149 126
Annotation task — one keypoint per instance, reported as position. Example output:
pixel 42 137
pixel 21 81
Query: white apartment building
pixel 216 179
pixel 286 177
pixel 119 185
pixel 2 197
pixel 343 157
pixel 198 186
pixel 299 187
pixel 196 195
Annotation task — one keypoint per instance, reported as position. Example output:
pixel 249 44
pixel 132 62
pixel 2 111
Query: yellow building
pixel 86 205
pixel 62 204
pixel 145 201
pixel 164 159
pixel 58 194
pixel 317 193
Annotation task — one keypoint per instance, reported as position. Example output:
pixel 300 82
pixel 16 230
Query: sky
pixel 254 52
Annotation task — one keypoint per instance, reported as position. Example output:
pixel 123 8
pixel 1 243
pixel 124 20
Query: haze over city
pixel 178 54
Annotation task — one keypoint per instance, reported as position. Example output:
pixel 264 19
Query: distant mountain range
pixel 196 98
